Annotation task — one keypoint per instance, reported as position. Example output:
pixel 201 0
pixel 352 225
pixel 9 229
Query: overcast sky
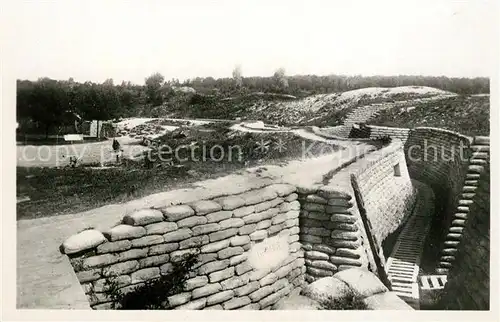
pixel 129 40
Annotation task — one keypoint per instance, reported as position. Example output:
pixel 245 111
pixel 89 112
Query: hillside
pixel 320 109
pixel 469 115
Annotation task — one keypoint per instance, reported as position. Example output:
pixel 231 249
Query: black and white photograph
pixel 329 156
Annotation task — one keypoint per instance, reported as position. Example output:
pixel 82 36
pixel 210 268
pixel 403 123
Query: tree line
pixel 47 102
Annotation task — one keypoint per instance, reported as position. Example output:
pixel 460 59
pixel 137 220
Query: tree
pixel 237 76
pixel 280 79
pixel 154 84
pixel 49 102
pixel 108 82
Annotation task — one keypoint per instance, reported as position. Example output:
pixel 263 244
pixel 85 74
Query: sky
pixel 130 40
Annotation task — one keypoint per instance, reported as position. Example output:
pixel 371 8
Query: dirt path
pixel 88 153
pixel 303 133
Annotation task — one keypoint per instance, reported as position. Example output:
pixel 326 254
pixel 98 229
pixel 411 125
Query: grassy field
pixel 469 115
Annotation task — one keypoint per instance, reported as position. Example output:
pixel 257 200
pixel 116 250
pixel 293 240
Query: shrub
pixel 152 295
pixel 381 141
pixel 220 127
pixel 348 301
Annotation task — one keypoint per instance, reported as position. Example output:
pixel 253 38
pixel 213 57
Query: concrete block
pixel 230 202
pixel 206 290
pixel 179 255
pixel 147 241
pixel 160 228
pixel 243 211
pixel 192 221
pixel 205 229
pixel 143 217
pixel 223 234
pixel 133 254
pixel 218 216
pixel 263 224
pixel 193 305
pixel 178 235
pixel 258 235
pixel 247 289
pixel 215 246
pixel 257 196
pixel 89 275
pixel 386 301
pixel 179 299
pixel 230 252
pixel 213 266
pixel 235 260
pixel 283 189
pixel 162 248
pixel 196 282
pixel 99 261
pixel 247 229
pixel 84 240
pixel 203 207
pixel 197 241
pixel 124 232
pixel 361 281
pixel 325 287
pixel 111 247
pixel 236 303
pixel 232 223
pixel 268 279
pixel 235 281
pixel 121 268
pixel 153 260
pixel 220 297
pixel 175 213
pixel 145 274
pixel 221 275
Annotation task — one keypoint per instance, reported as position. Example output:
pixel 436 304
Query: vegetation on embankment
pixel 469 115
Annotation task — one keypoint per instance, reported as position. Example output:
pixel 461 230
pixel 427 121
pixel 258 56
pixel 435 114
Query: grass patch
pixel 349 300
pixel 153 294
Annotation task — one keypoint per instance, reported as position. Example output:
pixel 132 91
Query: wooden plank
pixel 434 282
pixel 425 283
pixel 371 239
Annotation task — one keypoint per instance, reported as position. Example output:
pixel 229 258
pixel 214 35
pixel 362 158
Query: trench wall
pixel 469 278
pixel 308 231
pixel 444 160
pixel 250 255
pixel 333 234
pixel 457 168
pixel 440 158
pixel 387 190
pixel 255 246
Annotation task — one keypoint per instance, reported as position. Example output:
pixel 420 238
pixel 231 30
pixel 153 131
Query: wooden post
pixel 368 228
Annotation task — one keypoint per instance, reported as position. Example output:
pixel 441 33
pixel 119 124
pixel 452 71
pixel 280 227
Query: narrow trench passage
pixel 404 248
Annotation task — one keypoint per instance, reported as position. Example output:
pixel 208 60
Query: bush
pixel 348 301
pixel 381 141
pixel 153 294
